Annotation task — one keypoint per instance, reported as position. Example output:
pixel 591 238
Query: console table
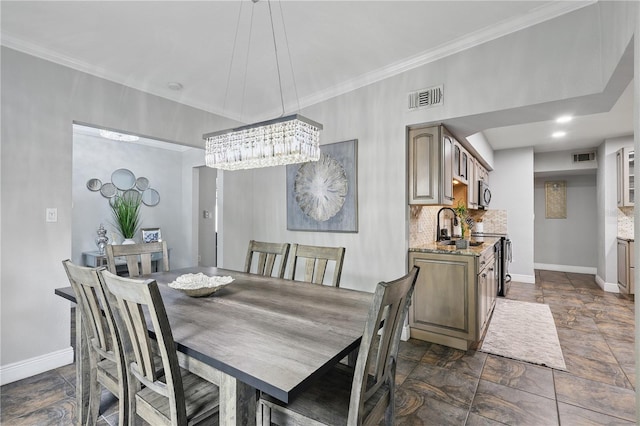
pixel 94 259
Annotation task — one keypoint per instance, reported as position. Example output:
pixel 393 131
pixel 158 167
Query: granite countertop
pixel 471 251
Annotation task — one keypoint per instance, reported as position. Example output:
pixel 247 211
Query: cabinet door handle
pixel 482 262
pixel 491 269
pixel 484 275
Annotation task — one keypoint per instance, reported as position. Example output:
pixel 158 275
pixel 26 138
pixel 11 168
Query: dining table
pixel 258 333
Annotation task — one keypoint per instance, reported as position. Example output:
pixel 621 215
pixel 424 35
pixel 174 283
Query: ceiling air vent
pixel 583 156
pixel 430 97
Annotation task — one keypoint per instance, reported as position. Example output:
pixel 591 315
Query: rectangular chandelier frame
pixel 280 141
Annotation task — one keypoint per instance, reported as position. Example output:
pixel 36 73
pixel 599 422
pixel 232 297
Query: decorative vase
pixel 101 239
pixel 128 241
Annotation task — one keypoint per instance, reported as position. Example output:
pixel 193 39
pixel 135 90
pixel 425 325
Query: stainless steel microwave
pixel 484 194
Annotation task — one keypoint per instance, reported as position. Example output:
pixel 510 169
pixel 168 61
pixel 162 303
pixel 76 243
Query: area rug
pixel 524 331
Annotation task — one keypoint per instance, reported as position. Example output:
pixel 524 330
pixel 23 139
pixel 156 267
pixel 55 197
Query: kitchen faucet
pixel 455 221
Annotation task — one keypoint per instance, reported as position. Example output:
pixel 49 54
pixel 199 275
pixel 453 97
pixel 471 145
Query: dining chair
pixel 316 259
pixel 362 395
pixel 138 257
pixel 266 254
pixel 106 362
pixel 170 395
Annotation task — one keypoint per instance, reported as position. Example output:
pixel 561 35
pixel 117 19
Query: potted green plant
pixel 126 213
pixel 463 215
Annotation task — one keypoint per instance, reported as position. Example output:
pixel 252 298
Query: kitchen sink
pixel 446 243
pixel 476 243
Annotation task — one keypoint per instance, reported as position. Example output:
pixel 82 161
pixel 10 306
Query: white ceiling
pixel 333 47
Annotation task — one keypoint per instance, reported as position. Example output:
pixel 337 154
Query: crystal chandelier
pixel 284 140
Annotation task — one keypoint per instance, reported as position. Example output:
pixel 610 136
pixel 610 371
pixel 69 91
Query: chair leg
pixel 95 394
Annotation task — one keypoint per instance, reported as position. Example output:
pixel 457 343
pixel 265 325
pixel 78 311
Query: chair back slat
pixel 316 260
pixel 137 257
pixel 100 329
pixel 267 254
pixel 375 366
pixel 134 297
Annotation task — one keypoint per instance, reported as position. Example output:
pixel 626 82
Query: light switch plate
pixel 52 214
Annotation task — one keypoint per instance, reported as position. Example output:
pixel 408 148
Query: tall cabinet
pixel 430 166
pixel 626 266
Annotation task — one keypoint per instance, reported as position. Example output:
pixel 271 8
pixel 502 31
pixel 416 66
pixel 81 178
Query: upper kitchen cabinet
pixel 625 178
pixel 461 163
pixel 472 186
pixel 430 166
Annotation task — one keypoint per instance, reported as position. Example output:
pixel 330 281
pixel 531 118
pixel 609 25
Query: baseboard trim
pixel 32 366
pixel 566 268
pixel 608 287
pixel 528 279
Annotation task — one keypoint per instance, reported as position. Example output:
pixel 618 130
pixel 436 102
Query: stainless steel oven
pixel 484 194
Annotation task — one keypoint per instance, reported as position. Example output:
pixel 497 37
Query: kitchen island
pixel 455 292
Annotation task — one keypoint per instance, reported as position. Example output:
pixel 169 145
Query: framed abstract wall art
pixel 323 195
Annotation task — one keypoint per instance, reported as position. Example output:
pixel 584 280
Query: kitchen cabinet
pixel 626 266
pixel 454 296
pixel 625 177
pixel 460 163
pixel 430 166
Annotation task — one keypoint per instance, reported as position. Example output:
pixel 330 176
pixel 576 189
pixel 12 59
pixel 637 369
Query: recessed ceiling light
pixel 174 85
pixel 564 119
pixel 558 134
pixel 116 136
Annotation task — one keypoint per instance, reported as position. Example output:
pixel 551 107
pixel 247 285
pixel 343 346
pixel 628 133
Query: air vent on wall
pixel 580 157
pixel 432 96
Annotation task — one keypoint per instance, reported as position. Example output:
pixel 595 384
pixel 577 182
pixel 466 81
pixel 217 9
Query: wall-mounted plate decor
pixel 142 183
pixel 323 195
pixel 123 179
pixel 150 197
pixel 108 190
pixel 94 184
pixel 132 195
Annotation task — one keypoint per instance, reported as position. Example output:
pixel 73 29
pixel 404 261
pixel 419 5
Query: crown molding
pixel 539 15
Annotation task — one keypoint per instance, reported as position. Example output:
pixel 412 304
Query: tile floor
pixel 443 386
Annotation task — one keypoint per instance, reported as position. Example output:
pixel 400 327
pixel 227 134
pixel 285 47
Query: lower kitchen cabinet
pixel 453 298
pixel 626 266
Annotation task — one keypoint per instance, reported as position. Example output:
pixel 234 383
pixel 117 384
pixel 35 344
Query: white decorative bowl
pixel 200 285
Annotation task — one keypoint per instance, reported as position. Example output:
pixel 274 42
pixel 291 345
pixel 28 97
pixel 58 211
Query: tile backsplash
pixel 423 220
pixel 625 222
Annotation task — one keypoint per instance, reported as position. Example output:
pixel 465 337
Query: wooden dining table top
pixel 273 334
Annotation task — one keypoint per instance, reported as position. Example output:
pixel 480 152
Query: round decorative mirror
pixel 123 179
pixel 142 183
pixel 94 184
pixel 150 197
pixel 108 190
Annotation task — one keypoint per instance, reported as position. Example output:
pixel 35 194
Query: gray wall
pixel 569 244
pixel 207 225
pixel 512 189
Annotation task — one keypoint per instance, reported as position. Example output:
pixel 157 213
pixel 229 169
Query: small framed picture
pixel 151 235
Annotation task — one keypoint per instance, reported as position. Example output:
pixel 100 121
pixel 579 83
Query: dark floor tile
pixel 554 276
pixel 595 396
pixel 513 406
pixel 599 371
pixel 519 375
pixel 444 385
pixel 466 362
pixel 34 393
pixel 61 412
pixel 413 349
pixel 613 330
pixel 585 344
pixel 477 420
pixel 571 415
pixel 563 300
pixel 571 318
pixel 403 369
pixel 414 408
